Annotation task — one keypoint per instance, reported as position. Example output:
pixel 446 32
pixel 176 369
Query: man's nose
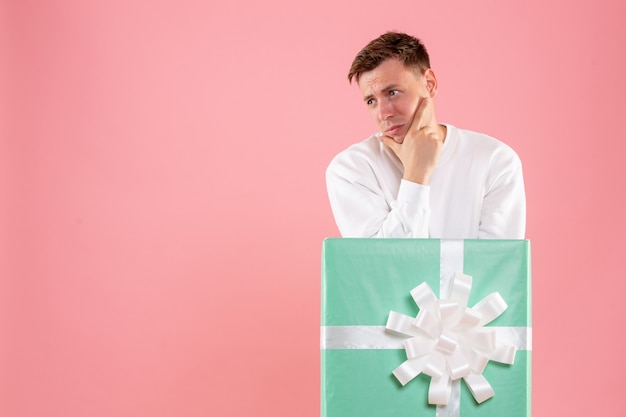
pixel 385 110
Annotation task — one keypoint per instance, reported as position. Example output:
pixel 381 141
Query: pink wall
pixel 162 196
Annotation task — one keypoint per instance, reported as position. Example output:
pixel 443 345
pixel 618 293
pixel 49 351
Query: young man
pixel 415 177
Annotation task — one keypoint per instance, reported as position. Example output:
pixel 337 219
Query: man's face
pixel 392 93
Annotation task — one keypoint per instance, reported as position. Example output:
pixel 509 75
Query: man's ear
pixel 431 82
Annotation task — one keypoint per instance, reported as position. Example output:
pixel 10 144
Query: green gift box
pixel 364 279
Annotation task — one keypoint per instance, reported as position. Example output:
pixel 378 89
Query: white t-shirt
pixel 476 191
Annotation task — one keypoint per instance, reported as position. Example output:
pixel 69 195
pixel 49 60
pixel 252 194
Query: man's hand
pixel 420 150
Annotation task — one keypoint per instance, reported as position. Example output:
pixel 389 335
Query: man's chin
pixel 396 138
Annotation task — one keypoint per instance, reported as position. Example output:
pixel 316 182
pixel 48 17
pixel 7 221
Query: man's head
pixel 394 76
pixel 405 48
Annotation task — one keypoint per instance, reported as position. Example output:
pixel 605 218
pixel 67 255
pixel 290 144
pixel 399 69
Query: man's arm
pixel 362 207
pixel 503 214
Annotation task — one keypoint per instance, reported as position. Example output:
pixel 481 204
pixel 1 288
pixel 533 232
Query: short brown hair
pixel 408 49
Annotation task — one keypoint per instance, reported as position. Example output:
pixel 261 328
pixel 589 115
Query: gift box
pixel 368 283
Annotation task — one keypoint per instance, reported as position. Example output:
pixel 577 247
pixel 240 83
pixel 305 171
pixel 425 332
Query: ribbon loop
pixel 418 346
pixel 447 342
pixel 481 339
pixel 490 307
pixel 458 365
pixel 504 354
pixel 424 296
pixel 470 318
pixel 409 369
pixel 439 391
pixel 461 288
pixel 401 323
pixel 479 387
pixel 428 322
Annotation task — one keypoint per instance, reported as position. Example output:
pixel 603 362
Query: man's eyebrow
pixel 384 90
pixel 391 87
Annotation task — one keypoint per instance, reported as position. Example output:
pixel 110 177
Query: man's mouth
pixel 393 130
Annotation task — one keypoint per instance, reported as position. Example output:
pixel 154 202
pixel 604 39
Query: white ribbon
pixel 447 340
pixel 377 337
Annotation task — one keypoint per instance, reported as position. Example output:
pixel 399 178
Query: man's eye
pixel 393 92
pixel 370 101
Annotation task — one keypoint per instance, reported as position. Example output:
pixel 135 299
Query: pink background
pixel 163 206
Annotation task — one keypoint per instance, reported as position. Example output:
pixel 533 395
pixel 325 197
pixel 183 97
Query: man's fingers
pixel 423 114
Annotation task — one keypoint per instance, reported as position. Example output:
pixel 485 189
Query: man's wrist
pixel 417 178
